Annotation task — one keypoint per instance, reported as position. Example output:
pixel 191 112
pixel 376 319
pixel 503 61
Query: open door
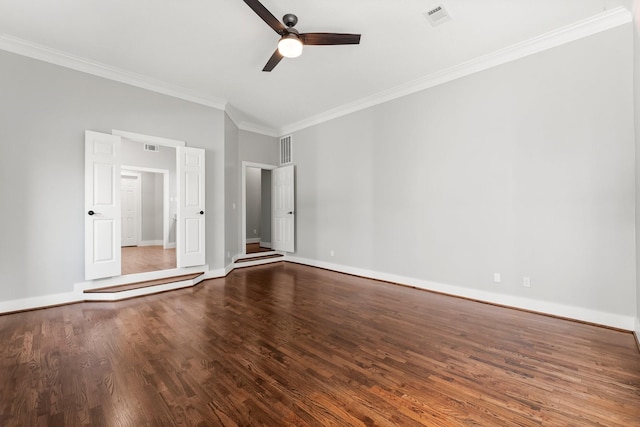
pixel 190 238
pixel 283 218
pixel 102 205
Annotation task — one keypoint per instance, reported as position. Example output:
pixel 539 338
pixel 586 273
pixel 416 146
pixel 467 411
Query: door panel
pixel 283 185
pixel 102 205
pixel 190 237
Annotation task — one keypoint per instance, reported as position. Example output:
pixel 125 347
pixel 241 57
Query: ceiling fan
pixel 291 41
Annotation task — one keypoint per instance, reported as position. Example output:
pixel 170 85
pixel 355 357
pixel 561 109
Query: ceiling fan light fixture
pixel 290 46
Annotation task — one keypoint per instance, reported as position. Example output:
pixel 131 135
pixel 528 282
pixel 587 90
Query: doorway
pixel 256 213
pixel 148 227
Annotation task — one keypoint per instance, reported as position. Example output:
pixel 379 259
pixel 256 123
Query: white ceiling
pixel 213 51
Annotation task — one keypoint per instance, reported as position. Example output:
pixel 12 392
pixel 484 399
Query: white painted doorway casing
pixel 130 200
pixel 243 230
pixel 190 232
pixel 102 205
pixel 283 217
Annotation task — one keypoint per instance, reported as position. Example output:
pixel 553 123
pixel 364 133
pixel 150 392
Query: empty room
pixel 363 213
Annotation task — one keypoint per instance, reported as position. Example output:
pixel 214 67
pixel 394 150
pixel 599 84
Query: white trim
pixel 64 59
pixel 157 140
pixel 235 117
pixel 258 255
pixel 637 330
pixel 151 243
pixel 243 199
pixel 571 312
pixel 117 296
pixel 259 261
pixel 138 277
pixel 593 25
pixel 265 244
pixel 253 240
pixel 587 27
pixel 39 302
pixel 170 245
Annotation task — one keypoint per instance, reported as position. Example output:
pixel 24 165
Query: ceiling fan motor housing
pixel 290 20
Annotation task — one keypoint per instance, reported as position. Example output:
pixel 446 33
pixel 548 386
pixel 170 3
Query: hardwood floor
pixel 140 259
pixel 254 248
pixel 284 344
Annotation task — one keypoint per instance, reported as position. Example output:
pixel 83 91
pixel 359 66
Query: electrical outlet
pixel 526 281
pixel 255 231
pixel 496 278
pixel 331 252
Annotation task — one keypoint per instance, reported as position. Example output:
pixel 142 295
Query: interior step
pixel 140 285
pixel 258 258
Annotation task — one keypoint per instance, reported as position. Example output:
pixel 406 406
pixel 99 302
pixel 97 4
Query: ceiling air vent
pixel 437 15
pixel 285 150
pixel 151 147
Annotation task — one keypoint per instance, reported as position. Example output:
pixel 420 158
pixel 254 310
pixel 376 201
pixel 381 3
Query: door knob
pixel 201 212
pixel 290 213
pixel 91 213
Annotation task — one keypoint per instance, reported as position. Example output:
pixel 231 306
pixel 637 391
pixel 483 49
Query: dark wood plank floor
pixel 284 344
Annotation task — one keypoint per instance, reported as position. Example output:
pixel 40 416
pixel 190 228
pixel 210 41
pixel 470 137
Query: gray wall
pixel 257 148
pixel 44 111
pixel 526 169
pixel 231 189
pixel 636 76
pixel 254 202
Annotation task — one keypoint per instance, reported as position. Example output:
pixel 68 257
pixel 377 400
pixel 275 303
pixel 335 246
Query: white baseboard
pixel 265 244
pixel 151 243
pixel 628 323
pixel 253 240
pixel 171 245
pixel 39 302
pixel 571 312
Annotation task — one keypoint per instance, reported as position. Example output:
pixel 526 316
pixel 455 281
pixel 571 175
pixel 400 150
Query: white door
pixel 102 205
pixel 283 205
pixel 190 231
pixel 130 201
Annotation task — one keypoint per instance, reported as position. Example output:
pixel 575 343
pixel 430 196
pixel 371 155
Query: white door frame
pixel 166 224
pixel 243 200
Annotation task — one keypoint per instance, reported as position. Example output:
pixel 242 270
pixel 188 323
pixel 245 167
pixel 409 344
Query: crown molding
pixel 43 53
pixel 263 130
pixel 598 23
pixel 235 117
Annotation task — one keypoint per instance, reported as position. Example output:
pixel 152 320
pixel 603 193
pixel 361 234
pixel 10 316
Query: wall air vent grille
pixel 151 147
pixel 437 15
pixel 285 150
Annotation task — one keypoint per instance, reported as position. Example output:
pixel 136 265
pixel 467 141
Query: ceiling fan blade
pixel 273 61
pixel 266 16
pixel 329 38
